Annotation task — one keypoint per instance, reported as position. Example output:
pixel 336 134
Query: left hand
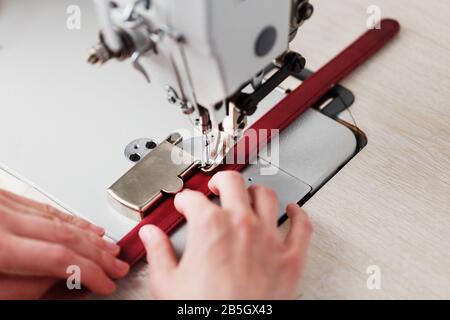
pixel 38 243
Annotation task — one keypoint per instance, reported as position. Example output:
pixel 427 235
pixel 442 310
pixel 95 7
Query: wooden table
pixel 390 206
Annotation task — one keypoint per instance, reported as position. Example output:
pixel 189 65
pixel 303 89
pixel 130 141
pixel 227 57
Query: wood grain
pixel 390 206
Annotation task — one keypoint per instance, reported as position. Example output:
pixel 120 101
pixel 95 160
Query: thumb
pixel 160 253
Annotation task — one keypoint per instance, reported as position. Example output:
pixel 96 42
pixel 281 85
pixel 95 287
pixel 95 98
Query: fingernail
pixel 146 233
pixel 288 208
pixel 98 230
pixel 121 266
pixel 112 247
pixel 179 194
pixel 184 191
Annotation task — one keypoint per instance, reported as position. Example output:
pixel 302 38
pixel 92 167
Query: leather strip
pixel 166 217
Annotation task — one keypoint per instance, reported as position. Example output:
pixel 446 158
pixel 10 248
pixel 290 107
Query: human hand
pixel 38 243
pixel 233 251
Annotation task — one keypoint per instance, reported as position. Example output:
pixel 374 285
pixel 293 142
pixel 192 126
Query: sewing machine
pixel 202 61
pixel 213 65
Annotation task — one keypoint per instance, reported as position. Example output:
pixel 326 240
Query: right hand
pixel 233 251
pixel 38 243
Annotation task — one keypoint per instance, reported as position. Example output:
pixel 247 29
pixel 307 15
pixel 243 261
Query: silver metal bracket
pixel 159 172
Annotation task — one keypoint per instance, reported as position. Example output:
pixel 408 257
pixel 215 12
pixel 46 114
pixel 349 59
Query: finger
pixel 194 205
pixel 301 229
pixel 36 208
pixel 24 288
pixel 38 227
pixel 20 256
pixel 83 242
pixel 230 186
pixel 265 203
pixel 25 205
pixel 160 254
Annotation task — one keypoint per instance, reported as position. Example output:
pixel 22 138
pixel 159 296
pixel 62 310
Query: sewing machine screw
pixel 151 145
pixel 135 157
pixel 100 53
pixel 175 138
pixel 172 97
pixel 304 11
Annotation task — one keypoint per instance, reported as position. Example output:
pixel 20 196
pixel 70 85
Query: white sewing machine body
pixel 65 125
pixel 209 58
pixel 203 61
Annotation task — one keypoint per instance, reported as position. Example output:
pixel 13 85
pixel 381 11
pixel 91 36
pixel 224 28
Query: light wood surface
pixel 390 206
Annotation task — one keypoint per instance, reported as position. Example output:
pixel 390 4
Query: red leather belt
pixel 166 217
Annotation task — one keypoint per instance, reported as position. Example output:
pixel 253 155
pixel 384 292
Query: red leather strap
pixel 305 96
